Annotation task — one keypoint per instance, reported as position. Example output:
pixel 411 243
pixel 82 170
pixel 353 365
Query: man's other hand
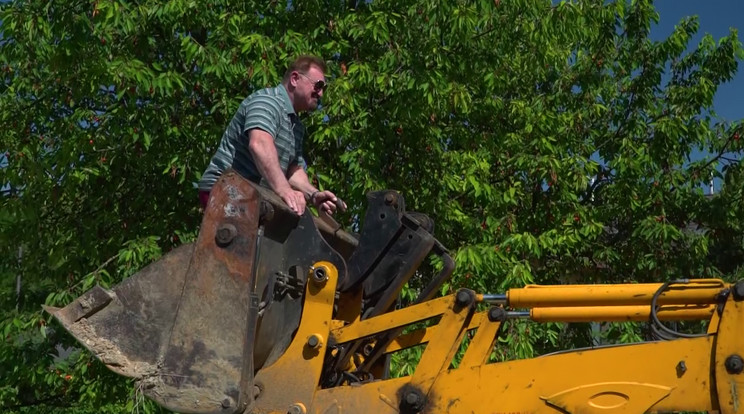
pixel 327 202
pixel 294 199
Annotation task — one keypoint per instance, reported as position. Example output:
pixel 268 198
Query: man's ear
pixel 293 78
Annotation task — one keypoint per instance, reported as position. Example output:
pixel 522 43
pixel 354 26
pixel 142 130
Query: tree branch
pixel 720 153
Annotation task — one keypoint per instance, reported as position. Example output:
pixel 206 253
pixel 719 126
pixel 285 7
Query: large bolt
pixel 225 234
pixel 256 391
pixel 496 314
pixel 734 364
pixel 464 297
pixel 296 409
pixel 738 291
pixel 412 398
pixel 389 198
pixel 413 401
pixel 320 274
pixel 314 341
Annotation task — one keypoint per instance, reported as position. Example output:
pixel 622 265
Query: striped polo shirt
pixel 269 110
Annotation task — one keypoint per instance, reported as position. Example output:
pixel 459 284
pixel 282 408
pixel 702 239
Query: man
pixel 263 142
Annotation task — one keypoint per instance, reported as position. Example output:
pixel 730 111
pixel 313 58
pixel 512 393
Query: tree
pixel 550 143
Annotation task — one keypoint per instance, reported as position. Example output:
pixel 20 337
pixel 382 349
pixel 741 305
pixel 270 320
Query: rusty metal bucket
pixel 194 327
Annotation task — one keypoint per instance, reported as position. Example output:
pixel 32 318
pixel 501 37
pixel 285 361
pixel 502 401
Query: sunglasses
pixel 318 85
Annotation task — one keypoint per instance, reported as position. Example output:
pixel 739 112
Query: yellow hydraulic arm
pixel 696 373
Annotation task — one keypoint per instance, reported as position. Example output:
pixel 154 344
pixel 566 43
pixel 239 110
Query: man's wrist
pixel 312 195
pixel 283 189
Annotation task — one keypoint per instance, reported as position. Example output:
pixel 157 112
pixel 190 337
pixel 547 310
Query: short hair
pixel 302 64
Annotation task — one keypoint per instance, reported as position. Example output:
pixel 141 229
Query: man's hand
pixel 326 202
pixel 264 153
pixel 294 199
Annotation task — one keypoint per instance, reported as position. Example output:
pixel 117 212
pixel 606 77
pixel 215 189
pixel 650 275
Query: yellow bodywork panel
pixel 728 353
pixel 625 379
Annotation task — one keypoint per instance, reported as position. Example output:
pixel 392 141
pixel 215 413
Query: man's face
pixel 309 89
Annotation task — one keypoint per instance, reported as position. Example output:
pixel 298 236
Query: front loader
pixel 270 312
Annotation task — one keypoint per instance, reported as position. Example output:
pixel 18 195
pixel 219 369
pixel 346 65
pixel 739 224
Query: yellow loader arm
pixel 268 312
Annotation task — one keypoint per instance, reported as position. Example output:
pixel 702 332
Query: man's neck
pixel 290 93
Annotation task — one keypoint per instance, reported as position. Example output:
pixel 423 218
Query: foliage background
pixel 551 143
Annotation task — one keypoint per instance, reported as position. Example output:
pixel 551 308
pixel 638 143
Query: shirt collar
pixel 285 100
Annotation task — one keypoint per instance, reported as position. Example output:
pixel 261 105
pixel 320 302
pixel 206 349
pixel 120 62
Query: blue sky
pixel 715 17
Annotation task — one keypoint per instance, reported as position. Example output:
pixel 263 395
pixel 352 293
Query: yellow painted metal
pixel 625 397
pixel 613 380
pixel 482 344
pixel 715 320
pixel 398 318
pixel 294 377
pixel 701 291
pixel 730 344
pixel 417 337
pixel 439 353
pixel 621 313
pixel 424 335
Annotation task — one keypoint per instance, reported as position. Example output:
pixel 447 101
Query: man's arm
pixel 299 181
pixel 261 146
pixel 324 200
